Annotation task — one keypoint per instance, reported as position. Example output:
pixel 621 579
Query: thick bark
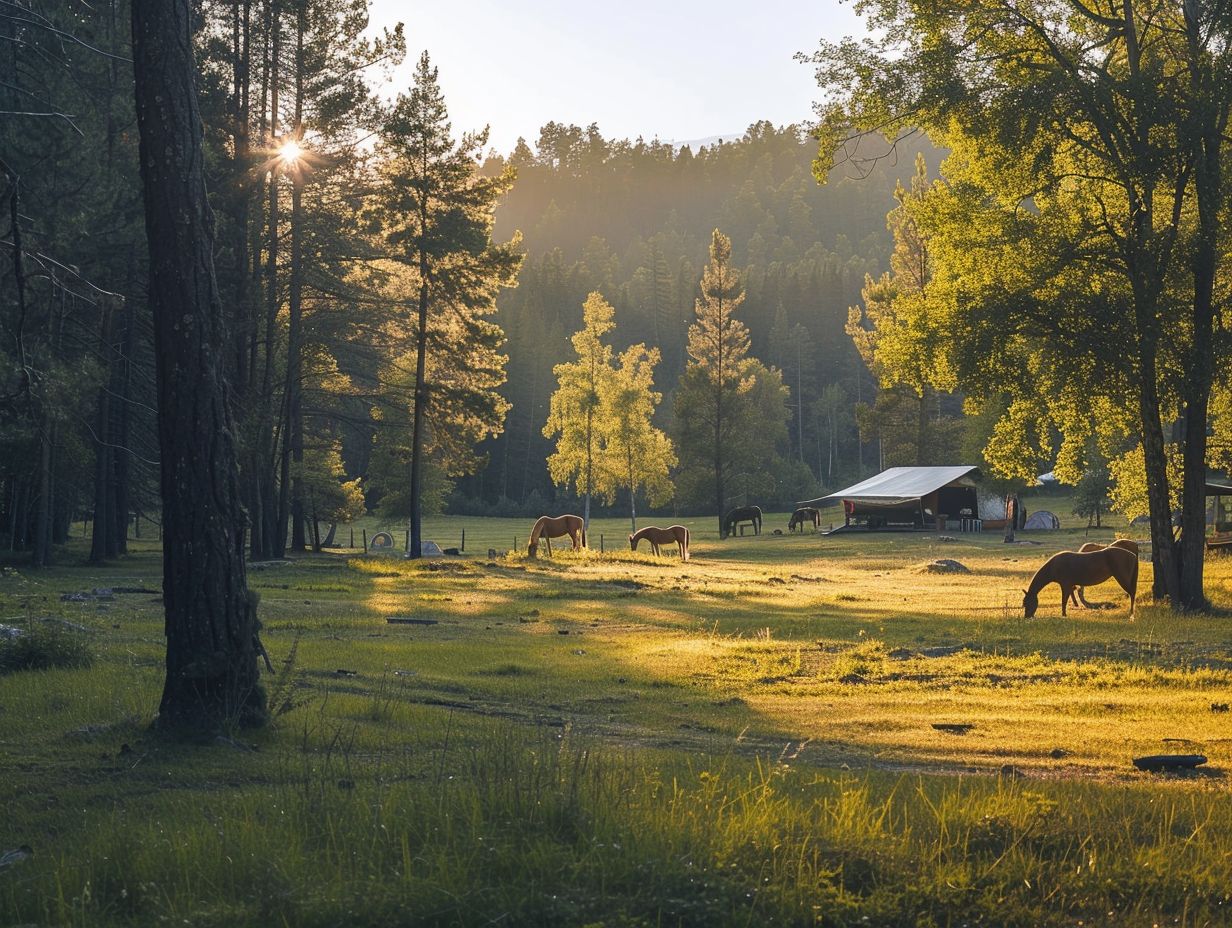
pixel 210 625
pixel 1163 548
pixel 1204 261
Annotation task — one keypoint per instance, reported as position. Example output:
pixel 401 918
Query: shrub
pixel 42 646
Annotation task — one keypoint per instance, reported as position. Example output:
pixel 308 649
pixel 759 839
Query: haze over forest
pixel 633 221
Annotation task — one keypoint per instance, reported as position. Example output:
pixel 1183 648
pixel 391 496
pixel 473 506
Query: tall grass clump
pixel 43 646
pixel 536 828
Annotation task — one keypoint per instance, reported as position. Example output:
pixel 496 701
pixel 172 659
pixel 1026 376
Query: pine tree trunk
pixel 103 490
pixel 121 465
pixel 294 428
pixel 1163 547
pixel 1200 370
pixel 273 503
pixel 414 537
pixel 295 418
pixel 211 626
pixel 42 524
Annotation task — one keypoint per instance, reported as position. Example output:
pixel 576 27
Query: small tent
pixel 1042 520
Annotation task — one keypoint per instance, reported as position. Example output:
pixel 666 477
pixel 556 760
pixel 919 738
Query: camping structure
pixel 1042 521
pixel 1219 515
pixel 909 498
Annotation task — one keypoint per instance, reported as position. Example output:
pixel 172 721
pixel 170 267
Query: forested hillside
pixel 633 220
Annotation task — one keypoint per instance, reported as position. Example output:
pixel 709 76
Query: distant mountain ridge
pixel 706 142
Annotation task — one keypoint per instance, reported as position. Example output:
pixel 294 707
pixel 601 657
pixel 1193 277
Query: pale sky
pixel 676 69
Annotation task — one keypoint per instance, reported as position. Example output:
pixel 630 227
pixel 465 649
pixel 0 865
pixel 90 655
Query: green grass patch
pixel 794 730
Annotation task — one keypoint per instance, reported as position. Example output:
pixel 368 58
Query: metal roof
pixel 900 484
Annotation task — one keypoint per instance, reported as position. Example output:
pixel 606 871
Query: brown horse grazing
pixel 662 536
pixel 549 527
pixel 750 514
pixel 1070 569
pixel 802 515
pixel 1127 544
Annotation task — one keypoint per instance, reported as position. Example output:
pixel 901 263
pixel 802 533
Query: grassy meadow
pixel 621 740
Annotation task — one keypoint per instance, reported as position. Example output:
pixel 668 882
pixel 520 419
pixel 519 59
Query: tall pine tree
pixel 435 211
pixel 717 371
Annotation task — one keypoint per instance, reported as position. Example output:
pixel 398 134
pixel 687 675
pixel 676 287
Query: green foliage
pixel 601 418
pixel 832 411
pixel 896 337
pixel 1091 491
pixel 712 408
pixel 755 438
pixel 1128 492
pixel 634 219
pixel 636 455
pixel 328 494
pixel 574 417
pixel 434 210
pixel 1077 243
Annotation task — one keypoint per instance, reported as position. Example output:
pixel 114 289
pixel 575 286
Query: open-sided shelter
pixel 1219 514
pixel 906 498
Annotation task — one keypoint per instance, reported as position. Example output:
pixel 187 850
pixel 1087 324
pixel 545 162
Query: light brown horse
pixel 549 527
pixel 1126 543
pixel 662 536
pixel 1070 569
pixel 802 515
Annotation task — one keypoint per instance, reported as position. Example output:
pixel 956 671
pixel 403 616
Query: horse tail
pixel 686 543
pixel 583 534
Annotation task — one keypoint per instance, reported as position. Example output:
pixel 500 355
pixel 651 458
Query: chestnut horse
pixel 549 527
pixel 662 536
pixel 1127 543
pixel 802 515
pixel 1070 569
pixel 742 514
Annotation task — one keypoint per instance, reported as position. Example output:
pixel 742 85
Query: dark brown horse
pixel 549 527
pixel 662 536
pixel 802 515
pixel 751 514
pixel 1070 569
pixel 1126 543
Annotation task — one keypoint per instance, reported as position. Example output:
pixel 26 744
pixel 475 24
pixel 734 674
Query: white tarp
pixel 992 507
pixel 901 485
